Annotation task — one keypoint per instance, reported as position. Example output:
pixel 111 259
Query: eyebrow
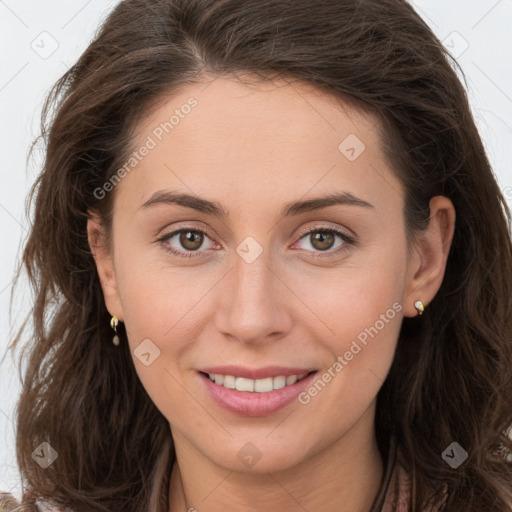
pixel 290 209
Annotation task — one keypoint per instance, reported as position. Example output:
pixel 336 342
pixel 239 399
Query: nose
pixel 253 302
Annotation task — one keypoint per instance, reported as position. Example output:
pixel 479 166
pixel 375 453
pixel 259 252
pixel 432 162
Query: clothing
pixel 8 503
pixel 393 494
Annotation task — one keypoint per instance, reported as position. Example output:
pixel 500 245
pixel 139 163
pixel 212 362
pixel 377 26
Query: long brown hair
pixel 451 380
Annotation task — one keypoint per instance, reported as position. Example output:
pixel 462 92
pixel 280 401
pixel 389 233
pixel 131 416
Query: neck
pixel 344 476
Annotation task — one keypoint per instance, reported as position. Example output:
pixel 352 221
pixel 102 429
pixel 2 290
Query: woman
pixel 279 264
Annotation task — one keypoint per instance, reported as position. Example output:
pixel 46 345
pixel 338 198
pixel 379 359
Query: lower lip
pixel 246 403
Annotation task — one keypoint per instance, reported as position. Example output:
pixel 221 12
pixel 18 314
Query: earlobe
pixel 427 266
pixel 104 265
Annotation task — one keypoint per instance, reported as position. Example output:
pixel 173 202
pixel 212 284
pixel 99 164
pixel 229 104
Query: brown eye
pixel 186 242
pixel 191 240
pixel 322 240
pixel 328 240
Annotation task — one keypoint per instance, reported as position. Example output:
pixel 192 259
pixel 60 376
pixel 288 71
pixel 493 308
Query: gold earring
pixel 114 323
pixel 419 307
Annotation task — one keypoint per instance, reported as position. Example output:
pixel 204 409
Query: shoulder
pixel 7 502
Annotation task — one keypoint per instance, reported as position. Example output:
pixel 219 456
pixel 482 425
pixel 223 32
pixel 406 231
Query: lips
pixel 243 399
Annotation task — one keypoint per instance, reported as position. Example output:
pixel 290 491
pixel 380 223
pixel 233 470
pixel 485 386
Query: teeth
pixel 255 386
pixel 292 379
pixel 229 382
pixel 279 382
pixel 264 385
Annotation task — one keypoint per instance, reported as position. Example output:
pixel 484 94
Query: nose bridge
pixel 253 305
pixel 253 277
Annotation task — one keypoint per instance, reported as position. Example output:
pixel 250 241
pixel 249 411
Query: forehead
pixel 277 112
pixel 273 139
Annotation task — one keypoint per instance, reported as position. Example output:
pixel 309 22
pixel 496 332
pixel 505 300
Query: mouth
pixel 264 385
pixel 262 396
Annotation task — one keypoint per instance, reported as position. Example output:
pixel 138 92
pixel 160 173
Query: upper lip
pixel 255 373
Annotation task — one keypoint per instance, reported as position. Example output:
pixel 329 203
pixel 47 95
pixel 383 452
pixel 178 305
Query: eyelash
pixel 347 239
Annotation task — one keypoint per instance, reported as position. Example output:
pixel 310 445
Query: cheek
pixel 364 327
pixel 352 298
pixel 348 386
pixel 153 292
pixel 361 312
pixel 164 313
pixel 158 320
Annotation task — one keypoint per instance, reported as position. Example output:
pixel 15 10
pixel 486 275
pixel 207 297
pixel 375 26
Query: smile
pixel 261 396
pixel 255 386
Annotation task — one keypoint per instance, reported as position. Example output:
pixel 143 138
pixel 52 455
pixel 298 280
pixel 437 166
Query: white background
pixel 478 32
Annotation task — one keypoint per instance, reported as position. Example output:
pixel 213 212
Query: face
pixel 271 280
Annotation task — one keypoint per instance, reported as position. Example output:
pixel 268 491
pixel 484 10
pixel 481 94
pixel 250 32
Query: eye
pixel 189 239
pixel 322 239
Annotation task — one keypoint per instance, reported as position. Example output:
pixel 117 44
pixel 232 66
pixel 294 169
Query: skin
pixel 253 149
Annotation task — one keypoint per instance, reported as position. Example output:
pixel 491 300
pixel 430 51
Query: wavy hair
pixel 451 379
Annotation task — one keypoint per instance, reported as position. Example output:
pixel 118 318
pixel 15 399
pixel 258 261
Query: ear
pixel 104 264
pixel 427 265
